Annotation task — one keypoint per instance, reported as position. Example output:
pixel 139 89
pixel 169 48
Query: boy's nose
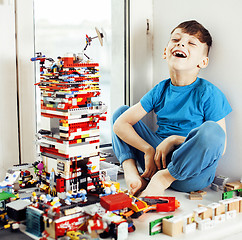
pixel 180 44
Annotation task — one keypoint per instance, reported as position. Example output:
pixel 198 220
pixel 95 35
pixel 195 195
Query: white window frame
pixel 26 72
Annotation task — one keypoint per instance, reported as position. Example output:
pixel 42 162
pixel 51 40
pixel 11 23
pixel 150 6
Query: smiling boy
pixel 191 137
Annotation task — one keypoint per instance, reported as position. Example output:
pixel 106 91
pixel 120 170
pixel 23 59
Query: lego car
pixel 73 235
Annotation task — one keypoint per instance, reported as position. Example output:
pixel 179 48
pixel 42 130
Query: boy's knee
pixel 119 112
pixel 211 133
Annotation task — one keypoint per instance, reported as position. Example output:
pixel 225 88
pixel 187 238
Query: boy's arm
pixel 222 124
pixel 169 143
pixel 123 128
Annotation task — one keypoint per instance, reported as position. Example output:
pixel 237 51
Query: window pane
pixel 61 27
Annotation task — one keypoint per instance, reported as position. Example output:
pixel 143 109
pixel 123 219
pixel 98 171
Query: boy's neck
pixel 182 79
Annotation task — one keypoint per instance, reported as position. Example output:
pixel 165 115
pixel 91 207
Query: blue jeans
pixel 193 163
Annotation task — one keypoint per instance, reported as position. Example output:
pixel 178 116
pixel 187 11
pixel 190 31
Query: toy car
pixel 73 235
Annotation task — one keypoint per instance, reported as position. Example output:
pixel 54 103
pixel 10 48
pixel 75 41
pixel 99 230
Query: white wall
pixel 141 52
pixel 26 79
pixel 9 153
pixel 17 83
pixel 117 73
pixel 223 19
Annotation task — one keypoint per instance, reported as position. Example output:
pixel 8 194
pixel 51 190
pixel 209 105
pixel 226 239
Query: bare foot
pixel 135 184
pixel 158 184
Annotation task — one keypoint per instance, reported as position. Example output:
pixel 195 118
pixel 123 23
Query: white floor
pixel 229 230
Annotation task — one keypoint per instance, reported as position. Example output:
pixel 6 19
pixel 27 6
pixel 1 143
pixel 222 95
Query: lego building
pixel 70 100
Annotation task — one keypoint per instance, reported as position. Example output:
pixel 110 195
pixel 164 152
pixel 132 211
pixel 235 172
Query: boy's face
pixel 185 52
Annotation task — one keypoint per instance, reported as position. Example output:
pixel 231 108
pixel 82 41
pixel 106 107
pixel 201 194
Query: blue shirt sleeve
pixel 151 98
pixel 215 104
pixel 147 101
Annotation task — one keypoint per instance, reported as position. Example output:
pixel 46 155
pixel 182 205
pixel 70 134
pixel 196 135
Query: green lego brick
pixel 155 226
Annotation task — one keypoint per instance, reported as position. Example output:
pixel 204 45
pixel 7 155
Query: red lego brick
pixel 115 201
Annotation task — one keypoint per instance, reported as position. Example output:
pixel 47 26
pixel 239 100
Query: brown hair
pixel 196 29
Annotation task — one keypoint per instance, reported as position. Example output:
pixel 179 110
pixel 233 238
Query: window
pixel 61 27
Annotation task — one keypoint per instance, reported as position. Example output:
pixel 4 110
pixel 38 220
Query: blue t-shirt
pixel 179 109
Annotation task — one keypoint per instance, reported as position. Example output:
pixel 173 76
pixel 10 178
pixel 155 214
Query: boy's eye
pixel 174 40
pixel 192 43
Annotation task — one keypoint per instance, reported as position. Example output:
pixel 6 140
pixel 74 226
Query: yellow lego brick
pixel 85 135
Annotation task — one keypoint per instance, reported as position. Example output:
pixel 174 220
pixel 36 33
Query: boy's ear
pixel 203 63
pixel 164 54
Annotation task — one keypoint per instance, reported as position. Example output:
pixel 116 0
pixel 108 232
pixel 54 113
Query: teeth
pixel 179 54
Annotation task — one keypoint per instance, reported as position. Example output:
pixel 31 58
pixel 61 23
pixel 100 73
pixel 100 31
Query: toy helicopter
pixel 89 40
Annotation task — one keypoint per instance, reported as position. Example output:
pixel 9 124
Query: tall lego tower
pixel 70 99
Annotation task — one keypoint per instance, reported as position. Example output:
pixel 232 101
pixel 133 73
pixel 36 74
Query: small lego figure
pixel 113 189
pixel 83 195
pixel 34 197
pixel 43 198
pixel 107 191
pixel 57 66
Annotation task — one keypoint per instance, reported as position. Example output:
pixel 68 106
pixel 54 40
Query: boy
pixel 191 135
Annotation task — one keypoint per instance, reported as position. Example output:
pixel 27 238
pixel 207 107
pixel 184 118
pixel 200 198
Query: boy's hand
pixel 161 152
pixel 150 166
pixel 165 147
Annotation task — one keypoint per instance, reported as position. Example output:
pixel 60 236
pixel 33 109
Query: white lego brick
pixel 122 231
pixel 80 120
pixel 84 151
pixel 76 112
pixel 213 205
pixel 94 163
pixel 53 112
pixel 50 163
pixel 226 201
pixel 189 228
pixel 220 218
pixel 230 214
pixel 175 219
pixel 64 128
pixel 206 224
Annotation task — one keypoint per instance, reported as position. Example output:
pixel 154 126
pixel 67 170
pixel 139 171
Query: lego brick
pixel 72 221
pixel 234 204
pixel 230 214
pixel 16 210
pixel 173 226
pixel 190 228
pixel 86 151
pixel 195 196
pixel 220 180
pixel 233 185
pixel 199 213
pixel 206 224
pixel 240 203
pixel 116 201
pixel 219 218
pixel 155 226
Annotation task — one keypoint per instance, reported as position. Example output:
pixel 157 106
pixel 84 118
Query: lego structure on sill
pixel 70 99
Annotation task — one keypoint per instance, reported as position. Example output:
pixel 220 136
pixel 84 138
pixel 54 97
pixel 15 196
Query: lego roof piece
pixel 19 204
pixel 116 201
pixel 6 195
pixel 234 185
pixel 200 210
pixel 213 205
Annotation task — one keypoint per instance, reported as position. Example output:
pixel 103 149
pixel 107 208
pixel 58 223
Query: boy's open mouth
pixel 179 54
